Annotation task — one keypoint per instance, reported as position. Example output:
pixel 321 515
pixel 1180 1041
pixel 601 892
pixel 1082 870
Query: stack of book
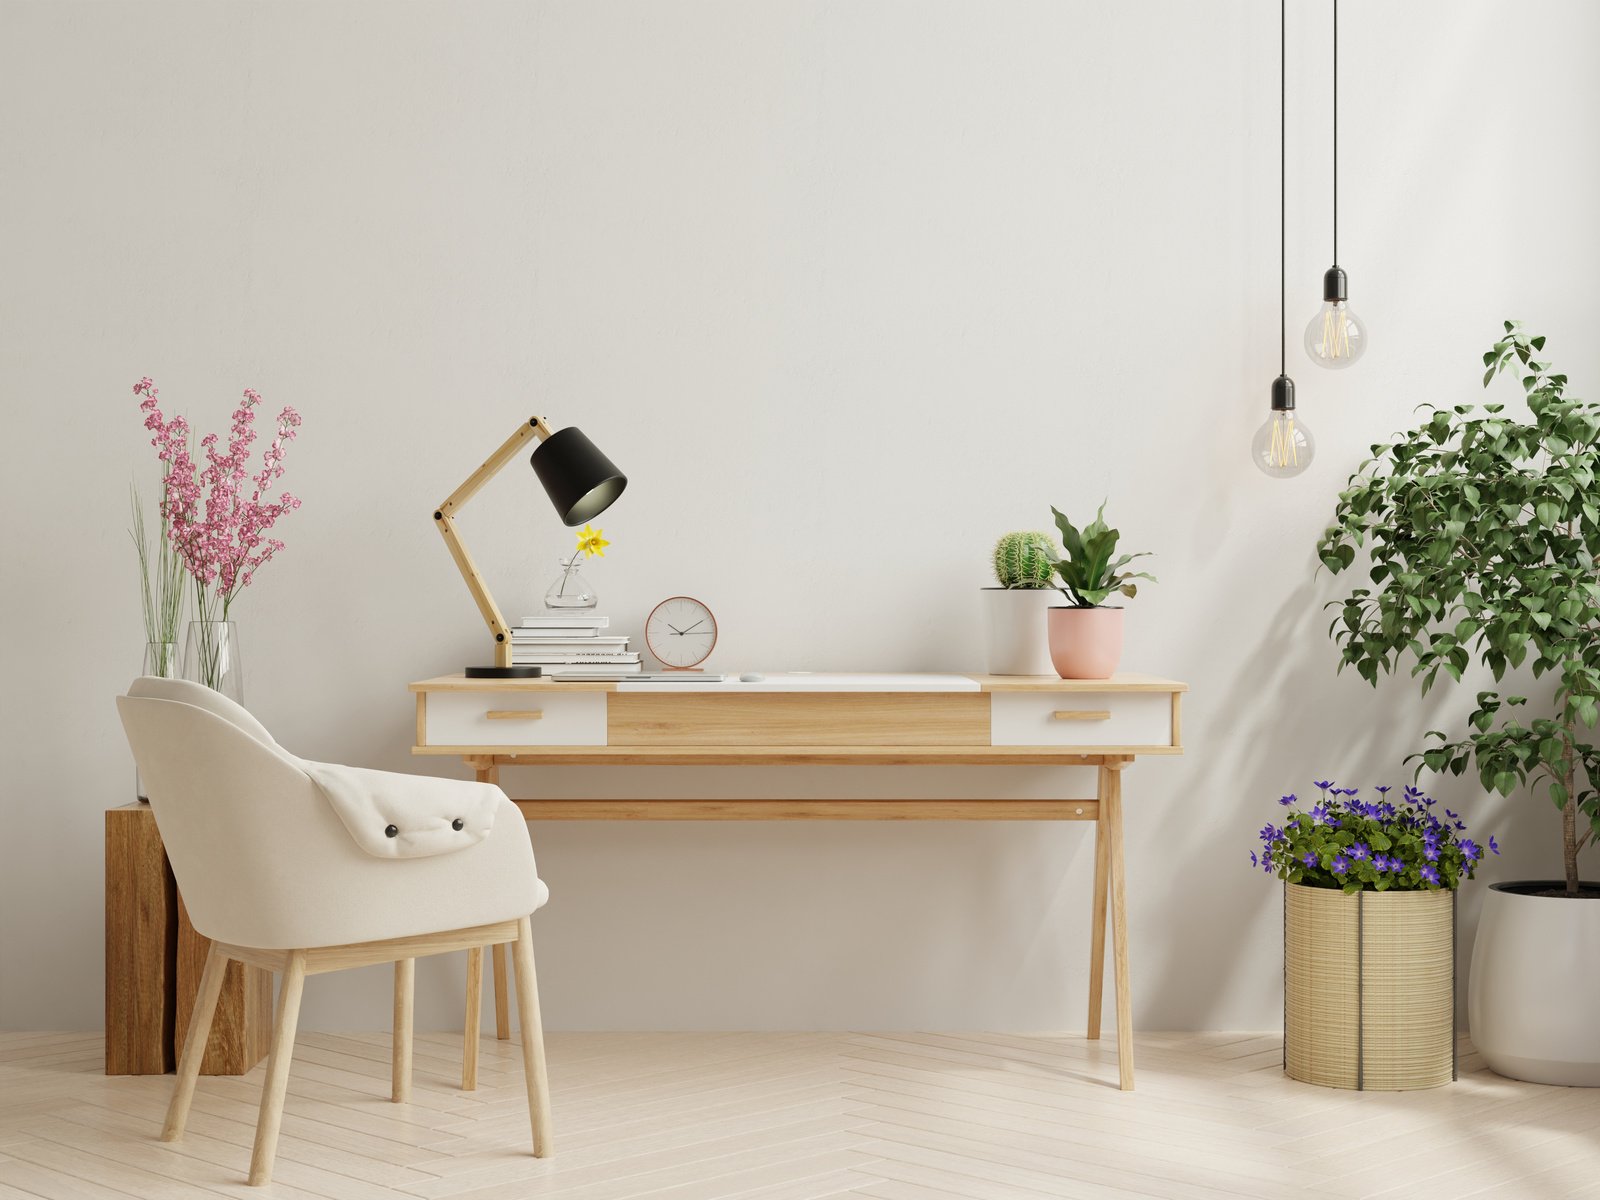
pixel 571 644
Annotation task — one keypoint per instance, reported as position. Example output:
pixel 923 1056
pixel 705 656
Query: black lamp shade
pixel 580 481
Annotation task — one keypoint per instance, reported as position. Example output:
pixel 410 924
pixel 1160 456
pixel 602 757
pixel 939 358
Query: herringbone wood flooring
pixel 793 1117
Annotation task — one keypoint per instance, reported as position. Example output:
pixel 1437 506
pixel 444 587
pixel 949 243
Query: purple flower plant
pixel 1345 842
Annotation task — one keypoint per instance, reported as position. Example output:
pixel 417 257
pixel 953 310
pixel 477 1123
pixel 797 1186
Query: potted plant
pixel 1369 936
pixel 1085 635
pixel 1483 530
pixel 1014 612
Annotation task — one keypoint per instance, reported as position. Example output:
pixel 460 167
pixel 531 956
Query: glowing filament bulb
pixel 1335 338
pixel 1283 447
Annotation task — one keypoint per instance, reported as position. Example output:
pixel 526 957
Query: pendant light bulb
pixel 1283 447
pixel 1336 337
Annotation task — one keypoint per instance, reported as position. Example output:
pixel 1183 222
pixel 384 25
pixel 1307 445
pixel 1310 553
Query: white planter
pixel 1016 629
pixel 1534 978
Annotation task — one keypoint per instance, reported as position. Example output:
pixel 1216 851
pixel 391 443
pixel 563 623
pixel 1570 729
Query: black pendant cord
pixel 1283 189
pixel 1336 132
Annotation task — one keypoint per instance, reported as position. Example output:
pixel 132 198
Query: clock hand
pixel 701 621
pixel 674 629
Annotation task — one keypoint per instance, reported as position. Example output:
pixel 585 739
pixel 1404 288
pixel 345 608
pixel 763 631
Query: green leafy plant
pixel 1087 571
pixel 1482 531
pixel 1024 560
pixel 161 584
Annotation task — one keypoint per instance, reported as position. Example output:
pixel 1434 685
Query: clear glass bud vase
pixel 570 589
pixel 161 660
pixel 211 656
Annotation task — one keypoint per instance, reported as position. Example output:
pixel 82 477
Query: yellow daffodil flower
pixel 592 541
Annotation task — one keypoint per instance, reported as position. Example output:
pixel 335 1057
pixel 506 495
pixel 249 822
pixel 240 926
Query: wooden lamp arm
pixel 444 518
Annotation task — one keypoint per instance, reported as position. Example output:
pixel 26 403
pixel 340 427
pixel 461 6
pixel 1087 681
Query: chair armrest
pixel 427 815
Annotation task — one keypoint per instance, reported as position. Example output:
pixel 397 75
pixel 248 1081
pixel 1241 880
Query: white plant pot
pixel 1534 978
pixel 1016 629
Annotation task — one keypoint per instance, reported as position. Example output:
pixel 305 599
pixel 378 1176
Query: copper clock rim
pixel 716 632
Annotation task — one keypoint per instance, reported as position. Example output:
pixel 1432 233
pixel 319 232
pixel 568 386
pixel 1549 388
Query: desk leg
pixel 1111 823
pixel 1097 926
pixel 502 998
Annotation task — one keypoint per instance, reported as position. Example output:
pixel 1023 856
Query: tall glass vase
pixel 211 656
pixel 161 660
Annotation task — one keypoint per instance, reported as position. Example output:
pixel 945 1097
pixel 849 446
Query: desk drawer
pixel 509 719
pixel 773 719
pixel 1133 719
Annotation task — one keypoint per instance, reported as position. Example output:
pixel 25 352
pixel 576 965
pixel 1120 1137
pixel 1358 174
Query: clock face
pixel 680 631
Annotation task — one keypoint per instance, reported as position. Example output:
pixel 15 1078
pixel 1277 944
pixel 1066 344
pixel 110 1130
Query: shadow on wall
pixel 1228 798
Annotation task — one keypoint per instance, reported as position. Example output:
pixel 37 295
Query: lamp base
pixel 504 672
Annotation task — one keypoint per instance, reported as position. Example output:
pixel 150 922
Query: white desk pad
pixel 814 681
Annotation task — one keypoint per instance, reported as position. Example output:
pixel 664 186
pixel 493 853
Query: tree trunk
pixel 1569 827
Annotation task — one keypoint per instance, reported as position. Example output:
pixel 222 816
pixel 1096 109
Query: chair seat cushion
pixel 406 816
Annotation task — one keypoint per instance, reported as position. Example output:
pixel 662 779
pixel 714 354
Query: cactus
pixel 1024 560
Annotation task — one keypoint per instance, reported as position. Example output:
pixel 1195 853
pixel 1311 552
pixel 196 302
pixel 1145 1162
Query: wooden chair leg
pixel 533 1064
pixel 405 990
pixel 1097 928
pixel 502 1002
pixel 469 1050
pixel 194 1043
pixel 277 1083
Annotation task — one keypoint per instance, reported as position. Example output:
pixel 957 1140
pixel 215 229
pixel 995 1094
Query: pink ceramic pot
pixel 1085 643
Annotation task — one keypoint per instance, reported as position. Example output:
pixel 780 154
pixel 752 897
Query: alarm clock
pixel 680 632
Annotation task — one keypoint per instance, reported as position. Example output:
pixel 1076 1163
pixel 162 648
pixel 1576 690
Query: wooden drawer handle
pixel 511 714
pixel 1087 714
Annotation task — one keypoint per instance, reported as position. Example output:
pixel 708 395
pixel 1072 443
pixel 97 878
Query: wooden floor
pixel 792 1117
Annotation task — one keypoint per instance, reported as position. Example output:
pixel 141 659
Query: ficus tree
pixel 1480 531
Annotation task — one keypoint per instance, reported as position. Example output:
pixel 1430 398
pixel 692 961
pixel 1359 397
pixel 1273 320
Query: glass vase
pixel 570 589
pixel 211 656
pixel 160 660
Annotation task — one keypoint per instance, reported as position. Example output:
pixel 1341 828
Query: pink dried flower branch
pixel 220 531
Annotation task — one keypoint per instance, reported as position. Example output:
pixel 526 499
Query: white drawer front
pixel 477 719
pixel 1081 719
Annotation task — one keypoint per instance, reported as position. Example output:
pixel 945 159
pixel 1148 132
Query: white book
pixel 573 620
pixel 535 658
pixel 588 636
pixel 567 641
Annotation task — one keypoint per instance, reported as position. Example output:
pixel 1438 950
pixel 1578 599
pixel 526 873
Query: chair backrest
pixel 185 691
pixel 240 818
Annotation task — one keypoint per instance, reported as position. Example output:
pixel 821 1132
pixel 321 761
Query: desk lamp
pixel 581 483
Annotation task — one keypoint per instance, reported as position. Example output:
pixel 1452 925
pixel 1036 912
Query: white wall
pixel 847 289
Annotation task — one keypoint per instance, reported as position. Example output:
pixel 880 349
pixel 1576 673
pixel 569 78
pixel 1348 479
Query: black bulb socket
pixel 1283 394
pixel 1335 286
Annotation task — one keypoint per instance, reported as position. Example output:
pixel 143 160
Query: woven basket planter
pixel 1369 988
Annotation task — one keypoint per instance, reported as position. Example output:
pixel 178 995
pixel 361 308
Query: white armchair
pixel 304 867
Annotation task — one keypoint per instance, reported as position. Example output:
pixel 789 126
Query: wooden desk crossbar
pixel 549 809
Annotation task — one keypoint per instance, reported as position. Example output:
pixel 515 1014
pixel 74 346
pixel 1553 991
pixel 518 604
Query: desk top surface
pixel 818 682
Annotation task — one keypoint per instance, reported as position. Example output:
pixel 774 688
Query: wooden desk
pixel 834 719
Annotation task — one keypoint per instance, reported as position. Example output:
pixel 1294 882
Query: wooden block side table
pixel 153 962
pixel 141 938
